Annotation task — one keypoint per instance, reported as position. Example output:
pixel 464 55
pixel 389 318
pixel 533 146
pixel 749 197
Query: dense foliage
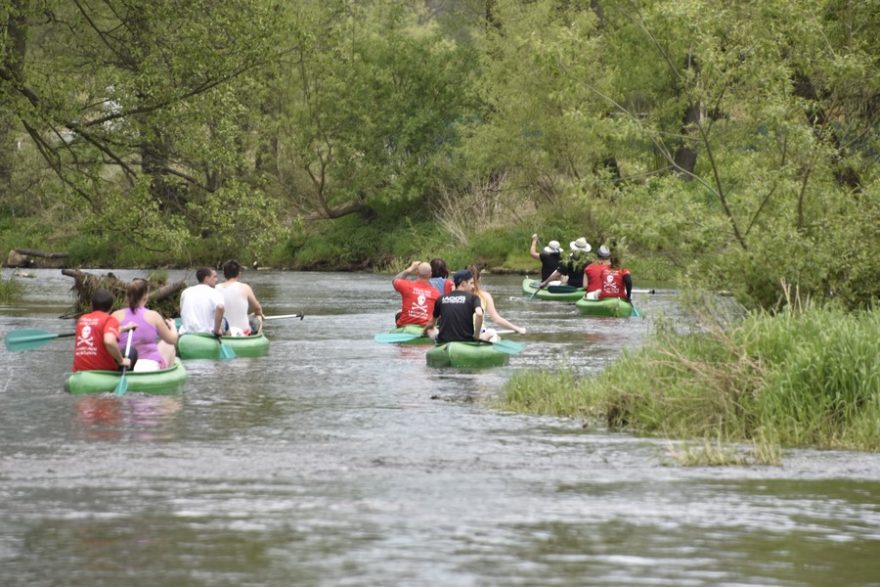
pixel 733 144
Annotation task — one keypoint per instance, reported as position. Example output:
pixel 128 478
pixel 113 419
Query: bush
pixel 806 377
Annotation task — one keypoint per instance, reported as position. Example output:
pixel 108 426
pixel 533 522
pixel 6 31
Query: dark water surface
pixel 337 460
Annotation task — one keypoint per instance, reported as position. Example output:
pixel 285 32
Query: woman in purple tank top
pixel 154 337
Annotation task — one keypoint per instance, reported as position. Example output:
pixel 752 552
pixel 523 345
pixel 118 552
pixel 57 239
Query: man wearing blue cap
pixel 460 313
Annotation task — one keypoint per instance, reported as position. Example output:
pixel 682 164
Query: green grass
pixel 10 290
pixel 806 378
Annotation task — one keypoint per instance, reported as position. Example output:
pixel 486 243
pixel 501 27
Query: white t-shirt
pixel 197 305
pixel 236 303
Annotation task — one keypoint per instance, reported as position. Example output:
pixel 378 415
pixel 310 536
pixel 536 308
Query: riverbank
pixel 386 244
pixel 805 378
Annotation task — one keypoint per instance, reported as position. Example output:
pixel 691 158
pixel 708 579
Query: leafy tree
pixel 371 105
pixel 125 90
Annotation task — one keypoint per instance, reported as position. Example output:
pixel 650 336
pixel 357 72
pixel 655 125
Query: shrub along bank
pixel 804 378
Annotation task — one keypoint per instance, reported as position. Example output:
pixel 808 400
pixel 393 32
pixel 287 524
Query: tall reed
pixel 805 377
pixel 9 290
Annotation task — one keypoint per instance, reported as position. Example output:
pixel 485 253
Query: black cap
pixel 462 275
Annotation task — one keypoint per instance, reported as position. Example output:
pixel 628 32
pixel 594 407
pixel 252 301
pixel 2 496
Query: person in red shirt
pixel 418 296
pixel 97 338
pixel 593 273
pixel 616 281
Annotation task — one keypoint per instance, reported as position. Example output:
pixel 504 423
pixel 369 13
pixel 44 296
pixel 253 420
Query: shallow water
pixel 337 460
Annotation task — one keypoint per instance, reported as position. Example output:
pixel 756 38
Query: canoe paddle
pixel 534 293
pixel 396 337
pixel 508 346
pixel 122 386
pixel 25 340
pixel 226 351
pixel 406 336
pixel 300 316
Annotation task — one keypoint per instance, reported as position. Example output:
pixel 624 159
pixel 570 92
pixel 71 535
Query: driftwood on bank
pixel 163 296
pixel 33 259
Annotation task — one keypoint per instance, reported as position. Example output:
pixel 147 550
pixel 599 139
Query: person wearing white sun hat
pixel 550 256
pixel 574 266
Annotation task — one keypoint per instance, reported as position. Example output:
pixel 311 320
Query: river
pixel 337 460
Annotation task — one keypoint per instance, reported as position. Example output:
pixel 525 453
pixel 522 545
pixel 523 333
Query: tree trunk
pixel 686 155
pixel 35 259
pixel 596 6
pixel 844 174
pixel 12 68
pixel 154 162
pixel 685 158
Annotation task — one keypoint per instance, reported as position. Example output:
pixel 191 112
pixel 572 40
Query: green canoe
pixel 466 355
pixel 613 307
pixel 205 346
pixel 161 382
pixel 559 293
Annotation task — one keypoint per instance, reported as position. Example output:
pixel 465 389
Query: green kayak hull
pixel 161 382
pixel 466 355
pixel 205 346
pixel 612 307
pixel 416 330
pixel 557 293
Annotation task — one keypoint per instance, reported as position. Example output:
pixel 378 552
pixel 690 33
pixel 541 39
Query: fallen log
pixel 163 296
pixel 34 259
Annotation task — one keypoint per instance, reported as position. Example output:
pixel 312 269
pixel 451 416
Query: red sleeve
pixel 112 326
pixel 448 286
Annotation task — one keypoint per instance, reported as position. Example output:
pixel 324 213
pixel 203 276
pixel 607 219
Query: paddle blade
pixel 226 351
pixel 508 346
pixel 25 340
pixel 122 386
pixel 636 313
pixel 395 337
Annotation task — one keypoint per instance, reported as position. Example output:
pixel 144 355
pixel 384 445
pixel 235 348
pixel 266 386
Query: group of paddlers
pixel 459 305
pixel 149 339
pixel 600 278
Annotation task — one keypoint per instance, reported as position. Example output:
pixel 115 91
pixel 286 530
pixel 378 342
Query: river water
pixel 336 460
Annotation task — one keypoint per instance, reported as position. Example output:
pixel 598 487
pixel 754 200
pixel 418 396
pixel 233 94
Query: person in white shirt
pixel 202 306
pixel 244 314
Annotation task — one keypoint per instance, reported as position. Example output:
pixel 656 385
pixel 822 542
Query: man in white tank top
pixel 239 300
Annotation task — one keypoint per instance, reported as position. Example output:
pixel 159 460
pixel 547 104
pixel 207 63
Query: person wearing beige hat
pixel 574 266
pixel 550 256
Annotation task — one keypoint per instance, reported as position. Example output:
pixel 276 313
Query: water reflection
pixel 143 417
